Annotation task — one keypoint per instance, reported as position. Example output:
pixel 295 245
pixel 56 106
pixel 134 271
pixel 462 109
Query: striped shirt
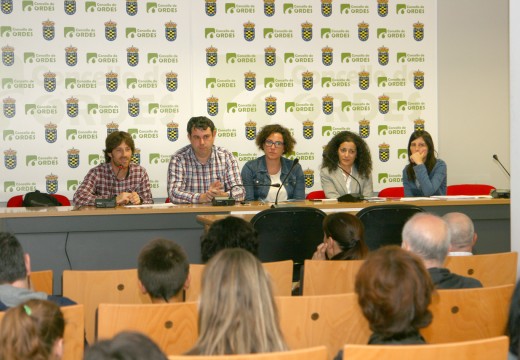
pixel 101 182
pixel 188 179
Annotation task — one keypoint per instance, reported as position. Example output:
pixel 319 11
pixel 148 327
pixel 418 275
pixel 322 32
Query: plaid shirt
pixel 188 179
pixel 101 182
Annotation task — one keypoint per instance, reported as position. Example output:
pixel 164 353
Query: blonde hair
pixel 30 331
pixel 237 313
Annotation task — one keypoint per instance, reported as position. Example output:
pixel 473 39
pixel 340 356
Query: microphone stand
pixel 230 201
pixel 275 205
pixel 348 197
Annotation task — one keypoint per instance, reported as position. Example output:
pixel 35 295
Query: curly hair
pixel 114 140
pixel 288 139
pixel 430 157
pixel 363 160
pixel 394 291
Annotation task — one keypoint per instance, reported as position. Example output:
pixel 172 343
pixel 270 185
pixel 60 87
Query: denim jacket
pixel 255 172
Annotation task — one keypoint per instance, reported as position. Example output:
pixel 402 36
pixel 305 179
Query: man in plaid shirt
pixel 200 171
pixel 118 177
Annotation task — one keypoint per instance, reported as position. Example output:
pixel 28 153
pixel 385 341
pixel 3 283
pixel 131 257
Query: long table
pixel 89 238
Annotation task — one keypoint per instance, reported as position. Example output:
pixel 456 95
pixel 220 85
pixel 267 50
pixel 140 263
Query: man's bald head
pixel 428 236
pixel 462 231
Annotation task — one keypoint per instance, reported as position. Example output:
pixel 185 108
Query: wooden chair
pixel 172 326
pixel 279 271
pixel 329 277
pixel 42 281
pixel 468 314
pixel 94 287
pixel 490 269
pixel 74 336
pixel 330 320
pixel 315 353
pixel 492 348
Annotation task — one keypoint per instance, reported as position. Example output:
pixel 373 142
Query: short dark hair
pixel 363 160
pixel 266 131
pixel 230 232
pixel 127 345
pixel 12 259
pixel 162 268
pixel 394 291
pixel 200 122
pixel 114 140
pixel 349 232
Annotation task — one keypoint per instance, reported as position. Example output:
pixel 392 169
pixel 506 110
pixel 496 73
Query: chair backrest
pixel 330 320
pixel 469 189
pixel 74 336
pixel 93 287
pixel 492 348
pixel 490 269
pixel 280 272
pixel 384 223
pixel 42 281
pixel 396 191
pixel 17 200
pixel 290 233
pixel 468 314
pixel 321 277
pixel 172 326
pixel 316 195
pixel 315 353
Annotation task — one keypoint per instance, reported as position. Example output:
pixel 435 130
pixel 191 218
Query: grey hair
pixel 461 230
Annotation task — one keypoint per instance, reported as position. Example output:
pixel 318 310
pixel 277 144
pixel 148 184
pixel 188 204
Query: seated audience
pixel 237 312
pixel 15 270
pixel 32 330
pixel 428 236
pixel 230 232
pixel 272 168
pixel 462 233
pixel 163 271
pixel 344 238
pixel 424 175
pixel 126 345
pixel 513 324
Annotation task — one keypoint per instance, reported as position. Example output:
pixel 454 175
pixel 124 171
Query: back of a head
pixel 12 259
pixel 237 313
pixel 126 345
pixel 32 330
pixel 230 232
pixel 394 292
pixel 427 235
pixel 162 268
pixel 461 230
pixel 349 232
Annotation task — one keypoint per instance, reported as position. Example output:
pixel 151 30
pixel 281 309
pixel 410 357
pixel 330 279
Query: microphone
pixel 295 162
pixel 348 197
pixel 496 158
pixel 230 201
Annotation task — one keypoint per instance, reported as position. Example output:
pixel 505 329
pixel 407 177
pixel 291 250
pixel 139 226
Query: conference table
pixel 89 238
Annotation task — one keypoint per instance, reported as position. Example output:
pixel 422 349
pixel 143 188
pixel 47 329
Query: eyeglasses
pixel 276 144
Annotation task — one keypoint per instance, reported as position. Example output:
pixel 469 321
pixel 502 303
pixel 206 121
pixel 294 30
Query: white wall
pixel 515 116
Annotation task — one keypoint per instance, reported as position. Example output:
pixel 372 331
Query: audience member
pixel 424 175
pixel 513 324
pixel 32 330
pixel 272 168
pixel 163 271
pixel 126 345
pixel 237 312
pixel 344 238
pixel 117 177
pixel 201 171
pixel 428 236
pixel 15 270
pixel 462 233
pixel 346 157
pixel 230 232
